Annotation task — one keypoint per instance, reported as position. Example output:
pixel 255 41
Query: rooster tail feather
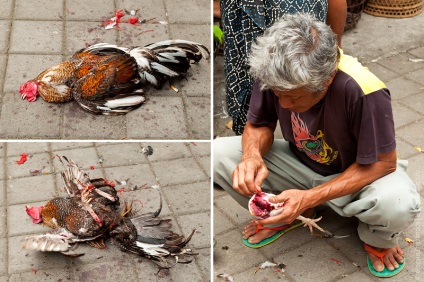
pixel 120 105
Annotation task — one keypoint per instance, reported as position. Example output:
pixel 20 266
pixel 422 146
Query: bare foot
pixel 249 231
pixel 393 257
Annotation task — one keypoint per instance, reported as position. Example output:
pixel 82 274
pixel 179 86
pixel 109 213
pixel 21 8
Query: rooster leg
pixel 311 223
pixel 92 213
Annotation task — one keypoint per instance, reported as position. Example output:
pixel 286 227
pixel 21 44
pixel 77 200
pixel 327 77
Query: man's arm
pixel 352 180
pixel 336 17
pixel 251 172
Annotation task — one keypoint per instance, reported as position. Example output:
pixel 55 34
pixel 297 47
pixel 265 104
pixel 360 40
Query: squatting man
pixel 339 145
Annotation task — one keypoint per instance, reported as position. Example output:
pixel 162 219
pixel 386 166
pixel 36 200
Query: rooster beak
pixel 23 96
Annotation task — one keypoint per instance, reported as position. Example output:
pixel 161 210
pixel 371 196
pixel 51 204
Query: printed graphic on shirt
pixel 314 146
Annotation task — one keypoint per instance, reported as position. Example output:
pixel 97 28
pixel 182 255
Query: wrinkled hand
pixel 249 175
pixel 294 205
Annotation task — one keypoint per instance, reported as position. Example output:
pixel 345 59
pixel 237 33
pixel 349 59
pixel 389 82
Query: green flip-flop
pixel 385 273
pixel 281 231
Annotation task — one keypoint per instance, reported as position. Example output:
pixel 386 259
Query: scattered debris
pixel 174 88
pixel 144 31
pixel 101 160
pixel 226 277
pixel 114 21
pixel 225 248
pixel 376 60
pixel 91 167
pixel 409 241
pixel 230 124
pixel 419 149
pixel 341 237
pixel 34 270
pixel 23 159
pixel 337 261
pixel 36 172
pixel 277 267
pixel 123 182
pixel 163 22
pixel 155 186
pixel 345 275
pixel 416 60
pixel 147 150
pixel 355 264
pixel 133 20
pixel 194 143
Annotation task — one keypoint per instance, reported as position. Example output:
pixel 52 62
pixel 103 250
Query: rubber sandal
pixel 281 231
pixel 385 273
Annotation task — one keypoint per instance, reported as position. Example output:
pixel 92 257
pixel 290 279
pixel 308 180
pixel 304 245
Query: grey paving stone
pixel 4 35
pixel 146 271
pixel 403 115
pixel 122 154
pixel 178 172
pixel 186 272
pixel 400 63
pixel 146 9
pixel 237 257
pixel 196 83
pixel 17 124
pixel 381 72
pixel 401 87
pixel 25 261
pixel 204 261
pixel 2 70
pixel 417 76
pixel 19 223
pixel 120 270
pixel 96 10
pixel 419 52
pixel 413 133
pixel 2 222
pixel 404 150
pixel 188 198
pixel 201 222
pixel 205 162
pixel 138 175
pixel 78 124
pixel 358 275
pixel 199 11
pixel 44 275
pixel 230 207
pixel 45 36
pixel 194 32
pixel 267 274
pixel 40 10
pixel 36 161
pixel 160 118
pixel 6 9
pixel 415 102
pixel 21 68
pixel 415 168
pixel 141 35
pixel 81 34
pixel 198 116
pixel 30 189
pixel 3 254
pixel 221 223
pixel 17 148
pixel 167 151
pixel 200 148
pixel 318 257
pixel 83 157
pixel 60 146
pixel 2 176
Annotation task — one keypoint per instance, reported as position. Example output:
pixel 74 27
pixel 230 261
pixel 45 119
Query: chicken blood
pixel 23 159
pixel 260 206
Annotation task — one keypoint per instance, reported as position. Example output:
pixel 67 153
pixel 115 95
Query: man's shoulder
pixel 356 72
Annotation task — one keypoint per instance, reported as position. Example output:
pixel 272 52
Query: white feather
pixel 125 102
pixel 162 69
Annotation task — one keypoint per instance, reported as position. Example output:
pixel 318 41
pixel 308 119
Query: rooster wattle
pixel 107 79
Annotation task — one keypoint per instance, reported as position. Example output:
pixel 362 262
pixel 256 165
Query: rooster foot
pixel 98 244
pixel 312 223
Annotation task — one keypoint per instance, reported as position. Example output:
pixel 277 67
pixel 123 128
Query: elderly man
pixel 339 142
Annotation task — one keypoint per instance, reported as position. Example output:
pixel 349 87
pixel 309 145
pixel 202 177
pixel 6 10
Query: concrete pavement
pixel 393 49
pixel 37 34
pixel 181 169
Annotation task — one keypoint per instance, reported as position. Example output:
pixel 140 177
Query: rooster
pixel 108 79
pixel 91 213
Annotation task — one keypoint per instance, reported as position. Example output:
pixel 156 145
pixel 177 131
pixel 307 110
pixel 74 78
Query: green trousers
pixel 384 208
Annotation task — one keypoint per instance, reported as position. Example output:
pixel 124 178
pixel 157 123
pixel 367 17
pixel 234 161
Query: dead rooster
pixel 91 213
pixel 107 79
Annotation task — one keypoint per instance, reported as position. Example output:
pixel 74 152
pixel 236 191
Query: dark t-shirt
pixel 352 123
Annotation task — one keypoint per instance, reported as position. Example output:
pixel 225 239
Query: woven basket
pixel 354 9
pixel 394 8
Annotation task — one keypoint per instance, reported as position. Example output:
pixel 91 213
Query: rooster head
pixel 34 213
pixel 29 90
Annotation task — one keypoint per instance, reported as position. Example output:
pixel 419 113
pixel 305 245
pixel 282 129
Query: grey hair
pixel 298 51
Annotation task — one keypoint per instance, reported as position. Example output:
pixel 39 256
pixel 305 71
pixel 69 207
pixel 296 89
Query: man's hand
pixel 249 175
pixel 294 205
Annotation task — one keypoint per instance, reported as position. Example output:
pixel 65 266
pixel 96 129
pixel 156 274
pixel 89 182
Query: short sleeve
pixel 262 107
pixel 372 125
